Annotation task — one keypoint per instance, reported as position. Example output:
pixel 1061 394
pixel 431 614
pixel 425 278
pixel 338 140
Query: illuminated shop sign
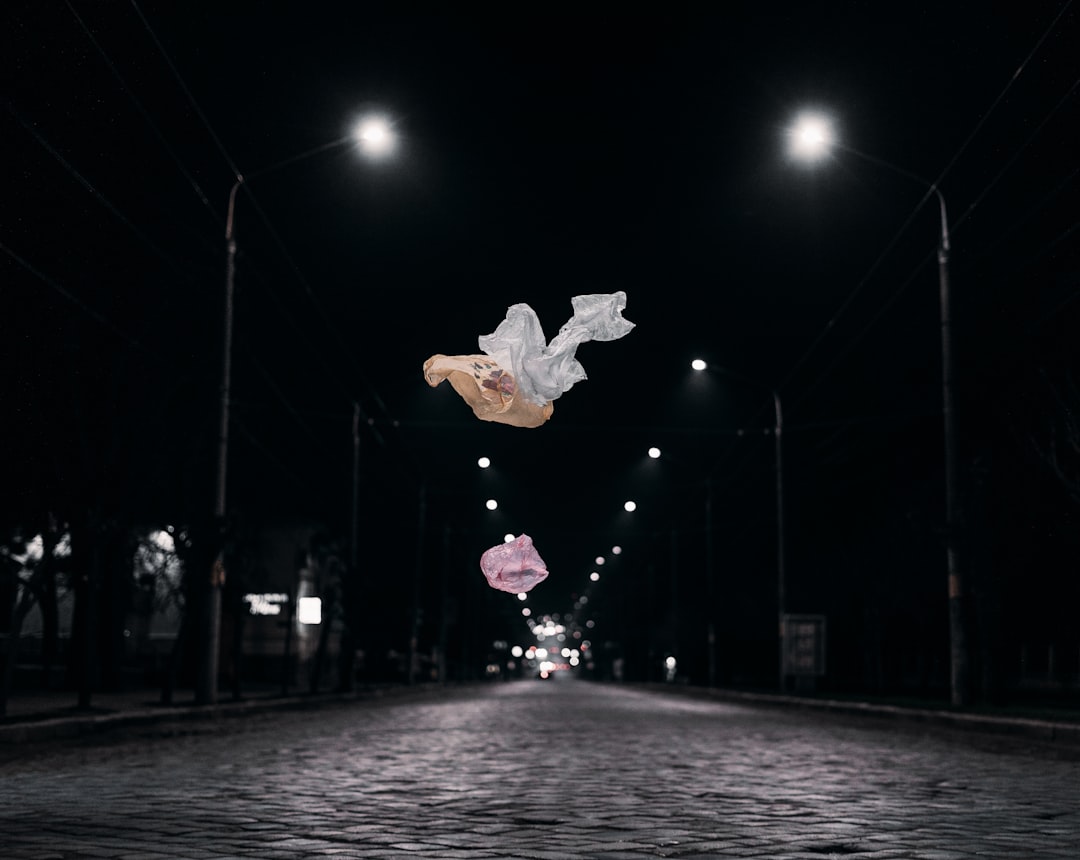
pixel 265 604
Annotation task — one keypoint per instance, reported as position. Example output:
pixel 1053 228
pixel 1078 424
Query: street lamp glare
pixel 375 136
pixel 491 504
pixel 654 453
pixel 810 137
pixel 483 462
pixel 699 364
pixel 630 506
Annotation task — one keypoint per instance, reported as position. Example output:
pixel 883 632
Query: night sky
pixel 546 152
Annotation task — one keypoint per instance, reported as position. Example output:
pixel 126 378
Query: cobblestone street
pixel 537 770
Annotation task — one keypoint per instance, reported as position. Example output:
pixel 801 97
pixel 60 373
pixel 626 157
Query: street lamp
pixel 816 143
pixel 375 138
pixel 654 453
pixel 810 136
pixel 700 365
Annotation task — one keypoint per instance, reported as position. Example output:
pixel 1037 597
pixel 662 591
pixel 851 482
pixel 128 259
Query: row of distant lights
pixel 534 653
pixel 542 630
pixel 594 576
pixel 493 504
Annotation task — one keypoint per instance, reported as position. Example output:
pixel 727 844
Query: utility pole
pixel 781 577
pixel 354 525
pixel 206 681
pixel 710 573
pixel 958 645
pixel 414 632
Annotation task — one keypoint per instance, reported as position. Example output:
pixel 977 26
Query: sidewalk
pixel 48 715
pixel 40 715
pixel 1059 729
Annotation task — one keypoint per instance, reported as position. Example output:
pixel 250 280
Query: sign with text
pixel 804 645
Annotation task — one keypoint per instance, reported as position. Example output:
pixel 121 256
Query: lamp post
pixel 811 138
pixel 375 138
pixel 699 365
pixel 710 571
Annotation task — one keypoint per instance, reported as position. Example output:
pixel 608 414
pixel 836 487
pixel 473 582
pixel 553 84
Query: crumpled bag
pixel 520 374
pixel 514 566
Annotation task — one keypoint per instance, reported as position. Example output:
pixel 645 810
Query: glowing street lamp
pixel 375 135
pixel 809 143
pixel 810 137
pixel 375 139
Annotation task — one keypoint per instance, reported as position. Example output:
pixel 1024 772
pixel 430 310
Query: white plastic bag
pixel 544 371
pixel 520 374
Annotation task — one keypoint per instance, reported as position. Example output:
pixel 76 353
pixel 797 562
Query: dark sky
pixel 545 151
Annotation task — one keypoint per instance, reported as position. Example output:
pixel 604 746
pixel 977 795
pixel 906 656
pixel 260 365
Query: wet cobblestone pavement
pixel 536 770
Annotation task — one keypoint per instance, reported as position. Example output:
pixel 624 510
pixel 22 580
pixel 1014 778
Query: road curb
pixel 1044 731
pixel 79 724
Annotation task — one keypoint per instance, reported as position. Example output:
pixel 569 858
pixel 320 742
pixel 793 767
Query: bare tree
pixel 28 569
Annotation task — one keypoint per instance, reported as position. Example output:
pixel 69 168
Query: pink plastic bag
pixel 515 566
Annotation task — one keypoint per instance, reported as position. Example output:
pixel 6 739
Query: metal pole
pixel 414 632
pixel 444 600
pixel 226 352
pixel 711 630
pixel 781 580
pixel 675 591
pixel 958 647
pixel 957 626
pixel 206 692
pixel 781 575
pixel 354 525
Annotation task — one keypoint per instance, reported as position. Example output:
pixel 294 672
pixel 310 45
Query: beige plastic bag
pixel 520 374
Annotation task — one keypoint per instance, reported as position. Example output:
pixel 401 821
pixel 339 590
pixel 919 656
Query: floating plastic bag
pixel 514 566
pixel 520 374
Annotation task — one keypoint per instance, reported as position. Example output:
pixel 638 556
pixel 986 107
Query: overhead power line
pixel 95 315
pixel 147 118
pixel 830 325
pixel 234 169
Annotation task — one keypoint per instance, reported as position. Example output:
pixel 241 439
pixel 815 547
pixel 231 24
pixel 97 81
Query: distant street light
pixel 778 436
pixel 810 137
pixel 957 625
pixel 375 138
pixel 710 573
